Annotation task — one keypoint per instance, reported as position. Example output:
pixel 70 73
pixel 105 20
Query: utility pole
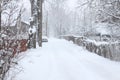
pixel 47 24
pixel 33 21
pixel 39 13
pixel 0 15
pixel 84 23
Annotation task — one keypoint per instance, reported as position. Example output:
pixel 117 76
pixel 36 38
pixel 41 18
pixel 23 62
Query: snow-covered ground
pixel 63 60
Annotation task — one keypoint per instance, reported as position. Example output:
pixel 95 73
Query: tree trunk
pixel 39 12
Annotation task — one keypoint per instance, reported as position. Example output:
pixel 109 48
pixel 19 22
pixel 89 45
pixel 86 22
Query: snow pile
pixel 97 43
pixel 102 28
pixel 62 60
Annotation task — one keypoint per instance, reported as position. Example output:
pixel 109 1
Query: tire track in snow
pixel 62 60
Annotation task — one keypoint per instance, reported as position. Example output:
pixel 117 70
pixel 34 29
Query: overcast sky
pixel 71 4
pixel 26 14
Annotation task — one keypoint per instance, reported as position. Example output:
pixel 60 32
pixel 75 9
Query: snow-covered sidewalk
pixel 62 60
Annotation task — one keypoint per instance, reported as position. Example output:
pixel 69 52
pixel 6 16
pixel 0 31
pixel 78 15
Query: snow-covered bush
pixel 109 50
pixel 6 56
pixel 11 43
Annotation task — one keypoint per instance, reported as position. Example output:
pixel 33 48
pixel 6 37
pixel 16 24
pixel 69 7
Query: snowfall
pixel 63 60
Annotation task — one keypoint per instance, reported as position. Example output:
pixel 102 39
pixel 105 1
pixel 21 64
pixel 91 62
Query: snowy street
pixel 63 60
pixel 59 39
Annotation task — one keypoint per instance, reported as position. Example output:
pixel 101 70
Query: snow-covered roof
pixel 24 22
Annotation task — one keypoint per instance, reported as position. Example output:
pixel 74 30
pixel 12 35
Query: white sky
pixel 72 4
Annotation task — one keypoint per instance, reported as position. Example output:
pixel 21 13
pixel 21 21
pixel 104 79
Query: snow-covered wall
pixel 109 50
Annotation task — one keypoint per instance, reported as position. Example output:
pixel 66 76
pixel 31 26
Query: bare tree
pixel 9 47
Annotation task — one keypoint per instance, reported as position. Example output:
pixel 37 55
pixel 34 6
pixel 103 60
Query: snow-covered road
pixel 62 60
